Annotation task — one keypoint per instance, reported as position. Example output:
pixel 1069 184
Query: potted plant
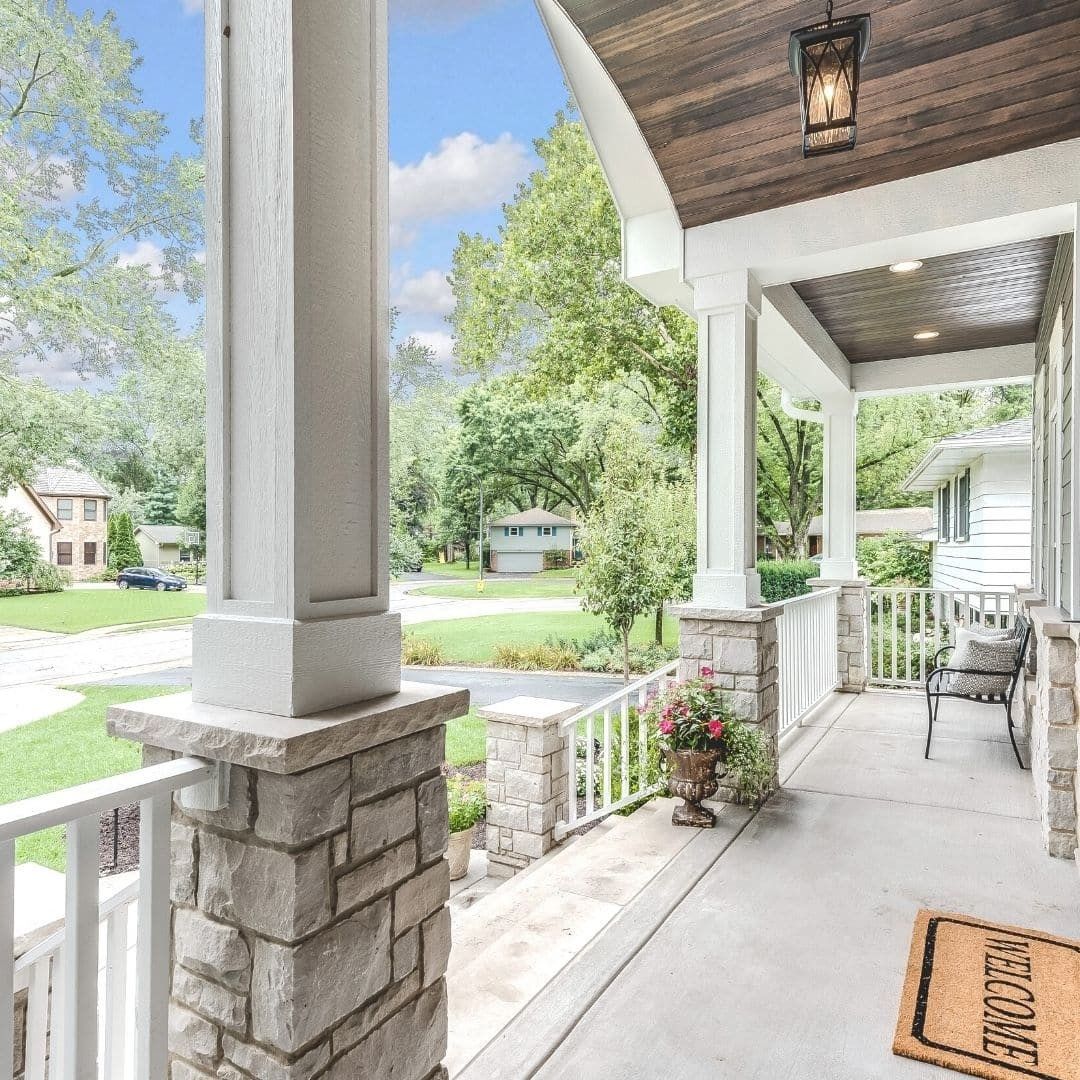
pixel 467 804
pixel 696 731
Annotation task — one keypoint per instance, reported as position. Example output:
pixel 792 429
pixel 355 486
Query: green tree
pixel 547 295
pixel 20 552
pixel 31 434
pixel 191 498
pixel 123 548
pixel 161 502
pixel 673 511
pixel 130 502
pixel 85 181
pixel 619 580
pixel 895 559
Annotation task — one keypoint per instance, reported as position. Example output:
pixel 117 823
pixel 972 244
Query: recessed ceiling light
pixel 926 335
pixel 905 267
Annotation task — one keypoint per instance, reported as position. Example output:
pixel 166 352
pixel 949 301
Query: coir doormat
pixel 993 1001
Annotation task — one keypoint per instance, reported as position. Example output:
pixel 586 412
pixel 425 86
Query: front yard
pixel 494 589
pixel 76 610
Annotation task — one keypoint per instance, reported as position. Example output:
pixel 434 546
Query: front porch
pixel 801 914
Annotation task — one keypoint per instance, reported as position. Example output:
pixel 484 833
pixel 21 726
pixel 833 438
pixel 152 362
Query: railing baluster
pixel 58 1015
pixel 7 954
pixel 152 954
pixel 37 1020
pixel 590 779
pixel 609 750
pixel 624 743
pixel 571 773
pixel 643 749
pixel 81 947
pixel 116 965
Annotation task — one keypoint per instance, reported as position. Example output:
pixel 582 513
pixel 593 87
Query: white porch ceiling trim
pixel 944 371
pixel 945 460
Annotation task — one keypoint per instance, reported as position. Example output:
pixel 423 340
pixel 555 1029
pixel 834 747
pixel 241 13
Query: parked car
pixel 143 577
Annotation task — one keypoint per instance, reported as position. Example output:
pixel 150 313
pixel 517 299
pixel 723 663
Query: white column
pixel 1073 600
pixel 728 307
pixel 839 561
pixel 297 479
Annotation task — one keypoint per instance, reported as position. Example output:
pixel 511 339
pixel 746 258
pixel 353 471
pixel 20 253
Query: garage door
pixel 519 562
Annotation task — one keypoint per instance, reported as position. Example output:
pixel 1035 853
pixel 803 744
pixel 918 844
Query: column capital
pixel 719 292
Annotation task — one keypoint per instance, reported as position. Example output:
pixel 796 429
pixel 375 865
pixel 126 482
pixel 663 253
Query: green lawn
pixel 495 589
pixel 63 750
pixel 72 748
pixel 473 641
pixel 457 570
pixel 75 610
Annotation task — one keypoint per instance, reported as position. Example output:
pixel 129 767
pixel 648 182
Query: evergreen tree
pixel 161 503
pixel 123 550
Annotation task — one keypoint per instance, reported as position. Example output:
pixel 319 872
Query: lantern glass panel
pixel 830 111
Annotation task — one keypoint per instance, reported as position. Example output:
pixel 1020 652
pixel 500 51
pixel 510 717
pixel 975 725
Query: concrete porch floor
pixel 786 958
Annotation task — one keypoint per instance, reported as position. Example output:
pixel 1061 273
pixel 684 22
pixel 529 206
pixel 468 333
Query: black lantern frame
pixel 827 60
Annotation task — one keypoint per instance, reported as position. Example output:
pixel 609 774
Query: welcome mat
pixel 993 1001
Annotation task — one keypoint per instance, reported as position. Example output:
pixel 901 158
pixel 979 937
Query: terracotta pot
pixel 460 851
pixel 692 777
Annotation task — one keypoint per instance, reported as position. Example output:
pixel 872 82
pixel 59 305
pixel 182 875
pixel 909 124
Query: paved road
pixel 486 687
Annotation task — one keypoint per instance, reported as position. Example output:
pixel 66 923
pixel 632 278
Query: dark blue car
pixel 142 577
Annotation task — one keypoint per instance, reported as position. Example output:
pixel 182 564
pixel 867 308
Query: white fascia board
pixel 652 232
pixel 1001 200
pixel 944 371
pixel 796 351
pixel 946 459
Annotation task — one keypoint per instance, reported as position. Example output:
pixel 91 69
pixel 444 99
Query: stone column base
pixel 310 931
pixel 739 647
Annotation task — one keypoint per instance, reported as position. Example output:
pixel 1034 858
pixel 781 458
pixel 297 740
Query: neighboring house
pixel 516 544
pixel 981 483
pixel 81 507
pixel 914 521
pixel 43 523
pixel 163 545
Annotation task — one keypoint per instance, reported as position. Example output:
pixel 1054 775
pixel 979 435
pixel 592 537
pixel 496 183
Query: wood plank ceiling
pixel 974 300
pixel 946 82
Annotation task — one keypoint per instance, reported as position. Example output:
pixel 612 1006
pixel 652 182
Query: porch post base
pixel 527 780
pixel 739 647
pixel 851 619
pixel 310 932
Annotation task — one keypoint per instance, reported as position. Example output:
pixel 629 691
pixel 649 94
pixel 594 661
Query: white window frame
pixel 546 530
pixel 1056 388
pixel 515 530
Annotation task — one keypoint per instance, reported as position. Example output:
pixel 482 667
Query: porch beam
pixel 728 308
pixel 945 371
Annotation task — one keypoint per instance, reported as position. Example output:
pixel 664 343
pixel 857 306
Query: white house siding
pixel 530 542
pixel 155 554
pixel 18 500
pixel 1059 299
pixel 997 555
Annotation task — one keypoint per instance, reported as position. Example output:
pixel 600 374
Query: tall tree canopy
pixel 547 297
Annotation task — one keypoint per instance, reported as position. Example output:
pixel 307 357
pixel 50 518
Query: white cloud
pixel 439 342
pixel 428 293
pixel 440 12
pixel 145 253
pixel 192 7
pixel 464 175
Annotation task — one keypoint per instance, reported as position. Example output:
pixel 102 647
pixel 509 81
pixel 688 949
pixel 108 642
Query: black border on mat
pixel 918 1025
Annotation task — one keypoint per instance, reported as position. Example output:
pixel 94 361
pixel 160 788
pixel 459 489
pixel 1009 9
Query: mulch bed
pixel 126 839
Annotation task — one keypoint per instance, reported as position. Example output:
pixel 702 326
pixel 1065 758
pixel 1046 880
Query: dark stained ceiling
pixel 975 300
pixel 946 82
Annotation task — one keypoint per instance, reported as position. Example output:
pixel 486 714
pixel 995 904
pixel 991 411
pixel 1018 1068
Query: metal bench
pixel 940 681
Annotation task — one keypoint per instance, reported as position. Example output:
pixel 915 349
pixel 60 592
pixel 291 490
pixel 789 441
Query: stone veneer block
pixel 310 927
pixel 526 779
pixel 852 615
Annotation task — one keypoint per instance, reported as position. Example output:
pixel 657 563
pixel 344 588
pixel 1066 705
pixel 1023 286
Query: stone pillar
pixel 727 307
pixel 839 561
pixel 740 648
pixel 527 780
pixel 296 342
pixel 309 927
pixel 852 617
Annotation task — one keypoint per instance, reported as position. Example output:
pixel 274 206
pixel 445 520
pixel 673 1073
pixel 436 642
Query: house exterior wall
pixel 155 554
pixel 997 553
pixel 78 532
pixel 18 500
pixel 563 540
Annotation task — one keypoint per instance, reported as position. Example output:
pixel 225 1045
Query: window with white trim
pixel 963 505
pixel 945 513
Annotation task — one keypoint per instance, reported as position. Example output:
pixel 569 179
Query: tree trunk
pixel 626 656
pixel 658 629
pixel 468 565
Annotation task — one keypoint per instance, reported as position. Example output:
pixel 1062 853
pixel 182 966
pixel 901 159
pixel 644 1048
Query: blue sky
pixel 472 84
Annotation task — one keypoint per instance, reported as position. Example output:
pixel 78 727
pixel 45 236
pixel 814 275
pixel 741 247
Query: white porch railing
pixel 608 751
pixel 807 638
pixel 906 627
pixel 69 1024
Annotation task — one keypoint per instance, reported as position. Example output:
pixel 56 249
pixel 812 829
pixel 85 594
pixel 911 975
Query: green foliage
pixel 47 578
pixel 466 802
pixel 548 295
pixel 130 502
pixel 556 560
pixel 545 657
pixel 123 548
pixel 748 762
pixel 20 552
pixel 784 579
pixel 894 559
pixel 643 658
pixel 161 503
pixel 421 652
pixel 406 555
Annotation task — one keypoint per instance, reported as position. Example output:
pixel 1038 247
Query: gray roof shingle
pixel 69 479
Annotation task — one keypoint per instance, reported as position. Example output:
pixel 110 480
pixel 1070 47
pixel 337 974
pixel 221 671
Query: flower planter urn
pixel 460 851
pixel 692 777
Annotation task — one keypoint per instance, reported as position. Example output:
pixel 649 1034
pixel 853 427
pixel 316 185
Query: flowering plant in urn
pixel 696 730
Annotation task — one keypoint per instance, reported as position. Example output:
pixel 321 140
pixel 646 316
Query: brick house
pixel 81 506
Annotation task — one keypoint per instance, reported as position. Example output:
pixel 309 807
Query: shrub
pixel 784 579
pixel 643 658
pixel 421 652
pixel 186 570
pixel 466 802
pixel 49 578
pixel 546 657
pixel 556 560
pixel 406 554
pixel 895 559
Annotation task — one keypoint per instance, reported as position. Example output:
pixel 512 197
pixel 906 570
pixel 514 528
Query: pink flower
pixel 716 729
pixel 706 672
pixel 667 727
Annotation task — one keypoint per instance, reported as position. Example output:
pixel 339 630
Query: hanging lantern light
pixel 826 59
